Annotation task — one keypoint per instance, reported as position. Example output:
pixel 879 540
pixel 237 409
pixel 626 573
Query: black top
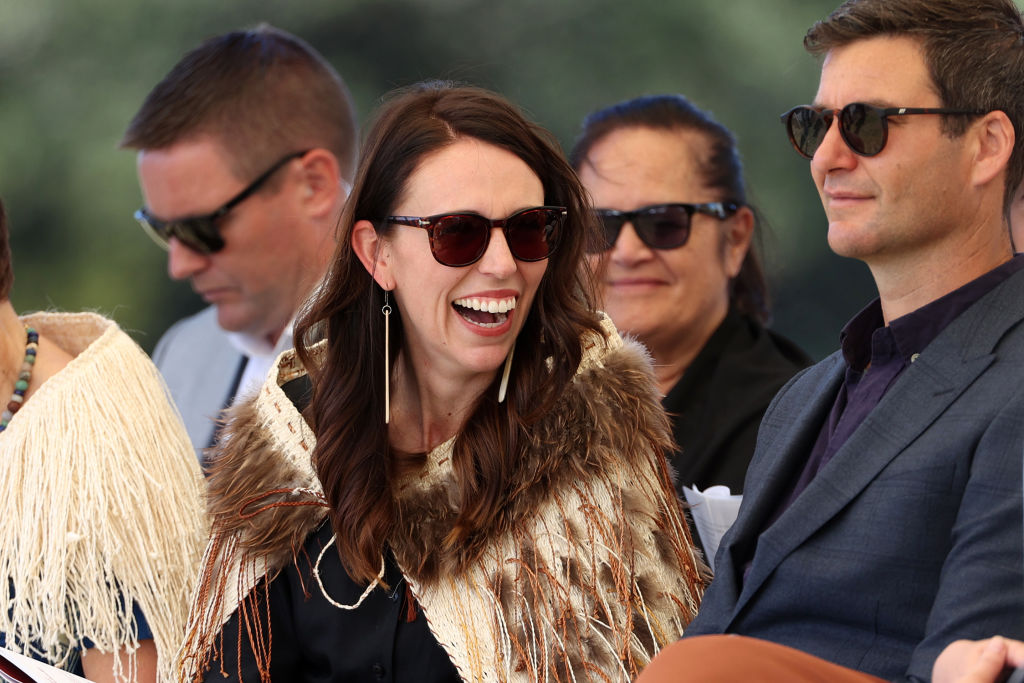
pixel 717 405
pixel 313 641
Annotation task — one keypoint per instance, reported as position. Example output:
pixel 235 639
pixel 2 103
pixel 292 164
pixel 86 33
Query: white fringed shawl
pixel 103 503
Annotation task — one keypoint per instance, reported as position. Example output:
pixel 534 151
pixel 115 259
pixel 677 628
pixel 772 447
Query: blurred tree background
pixel 73 73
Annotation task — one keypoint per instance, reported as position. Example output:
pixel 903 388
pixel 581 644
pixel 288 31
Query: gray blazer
pixel 201 368
pixel 911 536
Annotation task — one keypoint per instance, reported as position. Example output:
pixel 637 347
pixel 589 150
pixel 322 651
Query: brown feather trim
pixel 252 490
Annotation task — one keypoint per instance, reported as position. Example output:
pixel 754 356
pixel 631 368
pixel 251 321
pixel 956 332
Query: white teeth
pixel 488 305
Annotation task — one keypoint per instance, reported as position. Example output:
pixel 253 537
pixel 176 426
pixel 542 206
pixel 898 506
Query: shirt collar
pixel 254 346
pixel 915 330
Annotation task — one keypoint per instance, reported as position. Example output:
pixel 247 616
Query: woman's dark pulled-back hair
pixel 353 459
pixel 974 51
pixel 720 168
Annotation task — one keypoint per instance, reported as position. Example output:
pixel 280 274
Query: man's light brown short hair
pixel 261 93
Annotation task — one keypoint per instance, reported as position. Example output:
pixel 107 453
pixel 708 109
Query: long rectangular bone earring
pixel 386 310
pixel 503 387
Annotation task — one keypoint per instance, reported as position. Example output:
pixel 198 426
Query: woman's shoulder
pixel 263 457
pixel 614 380
pixel 608 347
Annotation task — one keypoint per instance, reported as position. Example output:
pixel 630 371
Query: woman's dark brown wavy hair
pixel 722 170
pixel 353 459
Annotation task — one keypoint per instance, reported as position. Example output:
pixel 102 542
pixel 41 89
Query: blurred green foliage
pixel 73 73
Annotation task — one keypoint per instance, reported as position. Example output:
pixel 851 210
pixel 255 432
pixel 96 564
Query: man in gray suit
pixel 882 515
pixel 246 150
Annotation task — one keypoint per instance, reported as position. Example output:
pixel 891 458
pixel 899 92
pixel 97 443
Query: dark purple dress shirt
pixel 876 354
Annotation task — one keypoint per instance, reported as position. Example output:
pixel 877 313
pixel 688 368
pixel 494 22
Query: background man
pixel 882 515
pixel 245 153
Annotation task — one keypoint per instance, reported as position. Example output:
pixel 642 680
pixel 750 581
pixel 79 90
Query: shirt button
pixel 378 671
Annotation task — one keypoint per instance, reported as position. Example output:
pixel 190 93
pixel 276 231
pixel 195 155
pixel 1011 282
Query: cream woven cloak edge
pixel 104 502
pixel 596 576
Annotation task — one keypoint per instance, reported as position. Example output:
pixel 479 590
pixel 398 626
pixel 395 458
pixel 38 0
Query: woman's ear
pixel 739 230
pixel 373 253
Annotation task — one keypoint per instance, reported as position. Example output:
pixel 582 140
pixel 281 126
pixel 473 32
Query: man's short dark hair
pixel 974 51
pixel 261 93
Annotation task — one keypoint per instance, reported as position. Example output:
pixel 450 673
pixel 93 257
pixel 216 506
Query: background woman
pixel 103 521
pixel 487 448
pixel 676 270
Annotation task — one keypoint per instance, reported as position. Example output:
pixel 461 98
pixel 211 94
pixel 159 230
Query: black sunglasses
pixel 200 233
pixel 460 239
pixel 659 226
pixel 864 128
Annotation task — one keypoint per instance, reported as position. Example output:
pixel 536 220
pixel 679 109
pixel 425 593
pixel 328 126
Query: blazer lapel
pixel 918 397
pixel 792 438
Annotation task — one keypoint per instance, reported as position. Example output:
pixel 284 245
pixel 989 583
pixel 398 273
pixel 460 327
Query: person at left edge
pixel 245 153
pixel 470 482
pixel 103 522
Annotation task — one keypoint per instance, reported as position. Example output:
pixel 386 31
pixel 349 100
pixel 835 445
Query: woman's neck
pixel 50 358
pixel 12 347
pixel 425 414
pixel 674 353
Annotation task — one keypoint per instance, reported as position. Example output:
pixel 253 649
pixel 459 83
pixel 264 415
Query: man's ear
pixel 322 185
pixel 373 253
pixel 739 230
pixel 994 139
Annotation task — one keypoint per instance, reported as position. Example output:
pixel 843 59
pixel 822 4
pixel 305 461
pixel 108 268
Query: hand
pixel 977 661
pixel 99 666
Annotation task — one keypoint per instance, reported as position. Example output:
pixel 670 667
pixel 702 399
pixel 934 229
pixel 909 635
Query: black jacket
pixel 716 407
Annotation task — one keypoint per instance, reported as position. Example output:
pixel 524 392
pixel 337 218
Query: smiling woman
pixel 487 497
pixel 678 270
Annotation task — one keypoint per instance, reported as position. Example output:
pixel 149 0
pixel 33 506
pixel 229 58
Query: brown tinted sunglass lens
pixel 528 233
pixel 459 240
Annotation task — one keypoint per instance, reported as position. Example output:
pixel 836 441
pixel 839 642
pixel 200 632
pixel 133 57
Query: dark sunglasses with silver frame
pixel 201 233
pixel 659 226
pixel 461 238
pixel 863 127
